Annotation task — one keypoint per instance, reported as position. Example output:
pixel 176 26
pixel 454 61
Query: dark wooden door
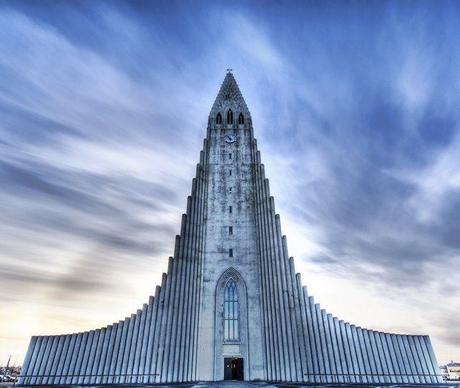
pixel 233 368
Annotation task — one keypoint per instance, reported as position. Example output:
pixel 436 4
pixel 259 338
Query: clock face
pixel 230 138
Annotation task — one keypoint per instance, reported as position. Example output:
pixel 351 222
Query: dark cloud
pixel 26 126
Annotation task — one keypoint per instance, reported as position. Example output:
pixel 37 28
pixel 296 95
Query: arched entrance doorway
pixel 231 328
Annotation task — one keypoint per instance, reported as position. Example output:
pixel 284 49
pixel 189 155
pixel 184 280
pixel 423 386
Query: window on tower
pixel 230 252
pixel 229 117
pixel 241 119
pixel 219 118
pixel 231 312
pixel 230 230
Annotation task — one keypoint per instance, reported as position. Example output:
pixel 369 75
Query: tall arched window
pixel 231 312
pixel 241 119
pixel 229 117
pixel 219 118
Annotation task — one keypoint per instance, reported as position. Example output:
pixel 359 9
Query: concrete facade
pixel 230 234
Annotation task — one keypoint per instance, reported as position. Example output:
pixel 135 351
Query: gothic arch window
pixel 231 312
pixel 219 118
pixel 229 117
pixel 241 119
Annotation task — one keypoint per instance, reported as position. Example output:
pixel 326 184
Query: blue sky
pixel 103 108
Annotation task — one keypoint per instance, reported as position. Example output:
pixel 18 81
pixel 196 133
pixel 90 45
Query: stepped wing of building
pixel 231 305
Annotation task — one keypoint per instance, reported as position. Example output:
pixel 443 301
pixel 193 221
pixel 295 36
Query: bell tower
pixel 230 316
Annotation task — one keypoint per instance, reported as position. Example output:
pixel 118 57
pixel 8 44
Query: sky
pixel 103 110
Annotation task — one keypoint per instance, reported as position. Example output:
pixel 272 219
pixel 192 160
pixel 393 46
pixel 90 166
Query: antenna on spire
pixel 229 70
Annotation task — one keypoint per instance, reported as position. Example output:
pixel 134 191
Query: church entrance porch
pixel 233 369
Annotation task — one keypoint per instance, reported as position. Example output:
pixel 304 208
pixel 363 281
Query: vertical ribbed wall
pixel 306 344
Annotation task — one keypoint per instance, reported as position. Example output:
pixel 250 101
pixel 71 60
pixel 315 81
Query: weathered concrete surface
pixel 230 183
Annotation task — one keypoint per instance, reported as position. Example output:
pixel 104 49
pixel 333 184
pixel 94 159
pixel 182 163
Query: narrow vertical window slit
pixel 229 117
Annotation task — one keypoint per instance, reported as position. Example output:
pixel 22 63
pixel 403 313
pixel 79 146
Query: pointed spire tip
pixel 229 96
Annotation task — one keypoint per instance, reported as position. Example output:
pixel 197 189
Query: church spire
pixel 229 98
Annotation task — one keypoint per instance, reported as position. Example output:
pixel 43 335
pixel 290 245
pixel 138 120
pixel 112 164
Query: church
pixel 230 306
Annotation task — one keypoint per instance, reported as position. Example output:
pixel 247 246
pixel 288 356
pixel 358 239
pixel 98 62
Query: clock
pixel 230 138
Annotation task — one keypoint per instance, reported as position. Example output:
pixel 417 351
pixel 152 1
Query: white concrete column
pixel 279 330
pixel 405 360
pixel 422 364
pixel 127 350
pixel 342 370
pixel 265 252
pixel 157 345
pixel 287 316
pixel 174 309
pixel 44 359
pixel 182 292
pixel 97 355
pixel 61 359
pixel 100 355
pixel 80 358
pixel 385 358
pixel 320 368
pixel 264 281
pixel 378 354
pixel 312 335
pixel 395 358
pixel 321 314
pixel 141 335
pixel 364 350
pixel 308 370
pixel 411 364
pixel 164 318
pixel 54 354
pixel 334 356
pixel 357 357
pixel 148 337
pixel 38 351
pixel 85 364
pixel 71 357
pixel 111 355
pixel 348 367
pixel 133 346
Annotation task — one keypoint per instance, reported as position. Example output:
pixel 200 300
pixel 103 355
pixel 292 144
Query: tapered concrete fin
pixel 183 224
pixel 189 203
pixel 176 246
